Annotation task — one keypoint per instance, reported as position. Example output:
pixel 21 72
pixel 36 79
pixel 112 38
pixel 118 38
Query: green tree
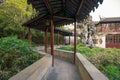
pixel 12 14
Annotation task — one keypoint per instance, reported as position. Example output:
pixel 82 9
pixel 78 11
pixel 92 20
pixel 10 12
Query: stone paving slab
pixel 63 70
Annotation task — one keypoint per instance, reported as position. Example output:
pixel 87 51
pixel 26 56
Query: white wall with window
pixel 99 41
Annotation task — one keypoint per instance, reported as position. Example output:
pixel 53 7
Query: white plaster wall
pixel 71 39
pixel 103 45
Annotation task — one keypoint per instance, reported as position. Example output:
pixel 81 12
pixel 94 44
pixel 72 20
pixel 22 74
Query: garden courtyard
pixel 35 44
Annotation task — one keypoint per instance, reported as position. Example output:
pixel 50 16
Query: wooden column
pixel 46 40
pixel 58 38
pixel 74 40
pixel 29 35
pixel 52 39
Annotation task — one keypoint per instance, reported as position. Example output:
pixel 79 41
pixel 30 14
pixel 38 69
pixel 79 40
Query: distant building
pixel 108 33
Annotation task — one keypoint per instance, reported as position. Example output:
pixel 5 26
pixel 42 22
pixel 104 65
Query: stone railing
pixel 36 71
pixel 86 69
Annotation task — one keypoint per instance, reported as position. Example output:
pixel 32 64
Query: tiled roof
pixel 110 20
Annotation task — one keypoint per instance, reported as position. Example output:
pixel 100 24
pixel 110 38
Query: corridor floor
pixel 63 70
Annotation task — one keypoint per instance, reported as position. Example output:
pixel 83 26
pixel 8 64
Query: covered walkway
pixel 63 70
pixel 52 14
pixel 55 13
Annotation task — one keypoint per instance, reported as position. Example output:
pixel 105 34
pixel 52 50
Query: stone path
pixel 63 70
pixel 40 49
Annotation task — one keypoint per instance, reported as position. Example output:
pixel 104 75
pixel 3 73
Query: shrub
pixel 15 55
pixel 112 71
pixel 69 48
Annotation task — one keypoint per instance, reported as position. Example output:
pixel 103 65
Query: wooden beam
pixel 34 19
pixel 80 6
pixel 74 40
pixel 48 6
pixel 60 17
pixel 52 39
pixel 63 21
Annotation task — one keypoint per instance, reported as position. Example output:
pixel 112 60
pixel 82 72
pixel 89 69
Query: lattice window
pixel 118 38
pixel 109 38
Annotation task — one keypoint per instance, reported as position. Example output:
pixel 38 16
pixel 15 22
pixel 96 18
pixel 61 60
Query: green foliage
pixel 12 14
pixel 105 59
pixel 68 48
pixel 15 55
pixel 113 72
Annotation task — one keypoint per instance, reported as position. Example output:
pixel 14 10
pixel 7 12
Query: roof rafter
pixel 62 32
pixel 34 19
pixel 64 6
pixel 61 17
pixel 59 23
pixel 48 6
pixel 80 6
pixel 63 11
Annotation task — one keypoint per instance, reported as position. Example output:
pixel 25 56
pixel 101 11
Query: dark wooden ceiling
pixel 63 11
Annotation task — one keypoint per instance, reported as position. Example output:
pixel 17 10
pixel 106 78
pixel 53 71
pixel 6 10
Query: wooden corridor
pixel 63 70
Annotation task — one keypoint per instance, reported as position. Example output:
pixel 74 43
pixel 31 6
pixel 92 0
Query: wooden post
pixel 69 39
pixel 58 38
pixel 46 40
pixel 74 40
pixel 52 39
pixel 29 35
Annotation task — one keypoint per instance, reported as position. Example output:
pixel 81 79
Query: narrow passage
pixel 63 70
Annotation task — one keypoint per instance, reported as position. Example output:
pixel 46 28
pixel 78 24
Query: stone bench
pixel 36 71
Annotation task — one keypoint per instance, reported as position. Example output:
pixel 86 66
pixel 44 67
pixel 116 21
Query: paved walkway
pixel 63 70
pixel 40 49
